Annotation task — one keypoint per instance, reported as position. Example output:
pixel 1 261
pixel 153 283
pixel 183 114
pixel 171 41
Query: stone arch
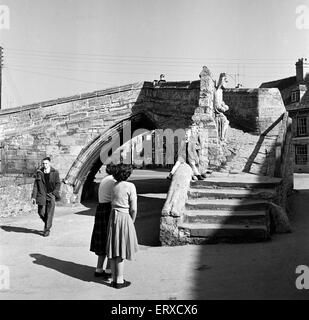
pixel 88 162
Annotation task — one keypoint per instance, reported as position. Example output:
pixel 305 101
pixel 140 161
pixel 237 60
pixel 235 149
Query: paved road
pixel 61 266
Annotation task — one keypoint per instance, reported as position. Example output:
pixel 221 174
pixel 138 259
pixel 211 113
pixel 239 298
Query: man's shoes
pixel 121 285
pixel 199 177
pixel 45 233
pixel 104 275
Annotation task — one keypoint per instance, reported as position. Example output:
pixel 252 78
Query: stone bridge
pixel 73 130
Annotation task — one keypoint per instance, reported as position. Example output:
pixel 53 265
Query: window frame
pixel 299 155
pixel 302 130
pixel 295 96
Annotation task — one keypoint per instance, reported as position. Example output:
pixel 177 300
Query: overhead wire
pixel 57 76
pixel 32 51
pixel 36 60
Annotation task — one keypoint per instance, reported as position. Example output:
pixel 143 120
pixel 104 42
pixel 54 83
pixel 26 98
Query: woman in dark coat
pixel 99 233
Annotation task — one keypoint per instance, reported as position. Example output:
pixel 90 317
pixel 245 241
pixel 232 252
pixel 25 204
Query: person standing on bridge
pixel 45 192
pixel 122 240
pixel 99 233
pixel 189 152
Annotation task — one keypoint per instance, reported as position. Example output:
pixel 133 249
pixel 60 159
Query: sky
pixel 60 48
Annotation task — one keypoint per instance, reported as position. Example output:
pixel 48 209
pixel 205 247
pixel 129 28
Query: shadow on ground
pixel 151 185
pixel 147 223
pixel 88 212
pixel 149 209
pixel 20 230
pixel 71 269
pixel 264 270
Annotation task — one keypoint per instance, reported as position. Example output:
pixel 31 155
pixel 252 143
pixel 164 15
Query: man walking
pixel 45 193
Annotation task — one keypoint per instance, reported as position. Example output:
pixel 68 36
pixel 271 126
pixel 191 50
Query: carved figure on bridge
pixel 220 107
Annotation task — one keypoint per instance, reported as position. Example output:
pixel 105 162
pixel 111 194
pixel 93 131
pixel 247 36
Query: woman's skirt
pixel 122 239
pixel 99 233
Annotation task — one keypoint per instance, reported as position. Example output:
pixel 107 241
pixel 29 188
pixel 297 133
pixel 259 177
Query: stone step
pixel 229 193
pixel 258 217
pixel 232 232
pixel 226 204
pixel 237 181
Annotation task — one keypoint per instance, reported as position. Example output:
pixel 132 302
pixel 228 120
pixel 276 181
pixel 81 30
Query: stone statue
pixel 210 152
pixel 220 107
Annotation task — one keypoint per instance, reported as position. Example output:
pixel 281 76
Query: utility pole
pixel 1 66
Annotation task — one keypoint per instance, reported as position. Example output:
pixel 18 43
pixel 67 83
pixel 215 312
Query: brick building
pixel 295 95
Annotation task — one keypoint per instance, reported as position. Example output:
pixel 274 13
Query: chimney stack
pixel 302 69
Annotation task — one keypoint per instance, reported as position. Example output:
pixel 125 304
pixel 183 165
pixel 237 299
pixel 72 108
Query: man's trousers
pixel 46 213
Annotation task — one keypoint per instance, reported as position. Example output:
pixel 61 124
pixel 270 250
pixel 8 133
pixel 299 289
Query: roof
pixel 281 84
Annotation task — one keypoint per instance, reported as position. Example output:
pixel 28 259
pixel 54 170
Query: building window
pixel 301 155
pixel 302 126
pixel 295 96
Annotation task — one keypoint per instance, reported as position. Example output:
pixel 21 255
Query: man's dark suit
pixel 44 199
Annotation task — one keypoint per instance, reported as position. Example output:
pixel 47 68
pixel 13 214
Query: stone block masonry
pixel 62 128
pixel 253 110
pixel 15 196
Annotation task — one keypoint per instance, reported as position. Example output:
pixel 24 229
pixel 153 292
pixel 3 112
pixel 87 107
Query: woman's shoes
pixel 120 285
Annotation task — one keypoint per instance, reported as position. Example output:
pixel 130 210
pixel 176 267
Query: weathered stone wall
pixel 271 107
pixel 62 128
pixel 243 108
pixel 253 110
pixel 59 129
pixel 15 195
pixel 287 164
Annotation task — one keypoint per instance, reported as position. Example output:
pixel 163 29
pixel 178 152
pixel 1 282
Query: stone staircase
pixel 229 208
